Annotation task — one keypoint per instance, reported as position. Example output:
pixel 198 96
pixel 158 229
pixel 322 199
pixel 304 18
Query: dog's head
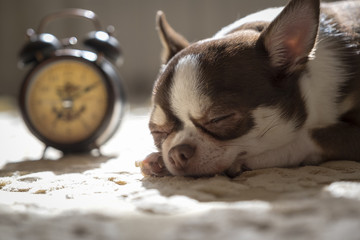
pixel 226 99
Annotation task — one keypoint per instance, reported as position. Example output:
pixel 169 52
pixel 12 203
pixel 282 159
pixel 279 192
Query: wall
pixel 134 21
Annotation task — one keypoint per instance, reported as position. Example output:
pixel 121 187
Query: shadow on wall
pixel 134 22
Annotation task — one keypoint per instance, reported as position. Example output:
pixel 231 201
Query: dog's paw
pixel 312 160
pixel 153 165
pixel 236 169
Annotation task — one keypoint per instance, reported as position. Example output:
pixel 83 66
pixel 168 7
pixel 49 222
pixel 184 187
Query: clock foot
pixel 44 152
pixel 97 151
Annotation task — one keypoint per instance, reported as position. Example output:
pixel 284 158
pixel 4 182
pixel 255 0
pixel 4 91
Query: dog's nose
pixel 179 155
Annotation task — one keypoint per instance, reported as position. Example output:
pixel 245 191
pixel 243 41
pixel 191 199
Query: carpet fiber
pixel 106 197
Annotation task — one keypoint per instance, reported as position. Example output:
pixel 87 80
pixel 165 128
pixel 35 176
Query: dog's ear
pixel 172 41
pixel 290 38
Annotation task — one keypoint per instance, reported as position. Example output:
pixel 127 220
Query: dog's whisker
pixel 268 129
pixel 272 124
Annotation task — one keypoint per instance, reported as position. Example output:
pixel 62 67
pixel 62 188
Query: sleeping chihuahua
pixel 278 88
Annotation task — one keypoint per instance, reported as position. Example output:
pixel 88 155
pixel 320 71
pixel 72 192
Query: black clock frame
pixel 115 107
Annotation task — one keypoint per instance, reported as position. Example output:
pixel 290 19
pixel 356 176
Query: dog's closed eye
pixel 220 118
pixel 221 126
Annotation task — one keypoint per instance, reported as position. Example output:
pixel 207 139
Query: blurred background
pixel 134 21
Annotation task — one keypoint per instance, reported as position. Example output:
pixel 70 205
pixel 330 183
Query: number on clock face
pixel 67 101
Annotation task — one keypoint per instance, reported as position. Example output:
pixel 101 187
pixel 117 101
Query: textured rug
pixel 106 197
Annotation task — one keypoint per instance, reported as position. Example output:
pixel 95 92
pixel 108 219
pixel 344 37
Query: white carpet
pixel 87 197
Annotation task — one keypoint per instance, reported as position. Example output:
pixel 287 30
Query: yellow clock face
pixel 67 100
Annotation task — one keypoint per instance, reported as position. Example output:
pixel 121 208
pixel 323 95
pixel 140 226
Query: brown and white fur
pixel 278 88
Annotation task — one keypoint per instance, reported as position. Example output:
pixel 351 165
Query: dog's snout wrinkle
pixel 180 155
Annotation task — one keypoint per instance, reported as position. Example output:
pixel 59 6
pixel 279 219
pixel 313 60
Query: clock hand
pixel 90 87
pixel 85 90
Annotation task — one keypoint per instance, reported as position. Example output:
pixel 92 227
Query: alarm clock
pixel 71 99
